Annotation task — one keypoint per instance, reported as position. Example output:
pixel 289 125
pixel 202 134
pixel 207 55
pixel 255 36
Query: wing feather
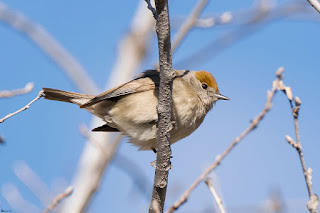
pixel 149 80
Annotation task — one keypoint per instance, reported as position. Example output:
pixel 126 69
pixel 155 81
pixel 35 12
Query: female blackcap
pixel 132 107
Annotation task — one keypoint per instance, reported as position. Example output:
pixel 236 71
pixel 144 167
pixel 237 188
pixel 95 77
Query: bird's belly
pixel 142 128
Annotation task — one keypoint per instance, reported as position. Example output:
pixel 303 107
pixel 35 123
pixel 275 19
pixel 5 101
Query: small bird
pixel 131 108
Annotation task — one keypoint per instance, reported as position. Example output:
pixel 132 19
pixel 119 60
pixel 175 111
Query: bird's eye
pixel 204 86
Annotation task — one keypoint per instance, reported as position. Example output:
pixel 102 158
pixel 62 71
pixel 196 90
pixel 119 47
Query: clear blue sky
pixel 47 136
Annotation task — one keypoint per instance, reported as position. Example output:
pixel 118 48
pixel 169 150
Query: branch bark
pixel 188 24
pixel 164 106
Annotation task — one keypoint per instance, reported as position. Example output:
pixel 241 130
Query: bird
pixel 131 108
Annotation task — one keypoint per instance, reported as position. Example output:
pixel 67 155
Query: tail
pixel 71 97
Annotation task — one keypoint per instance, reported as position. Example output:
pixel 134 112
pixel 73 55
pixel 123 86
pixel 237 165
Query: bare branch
pixel 315 4
pixel 50 46
pixel 152 9
pixel 9 93
pixel 215 195
pixel 313 198
pixel 59 198
pixel 219 158
pixel 164 107
pixel 23 108
pixel 188 24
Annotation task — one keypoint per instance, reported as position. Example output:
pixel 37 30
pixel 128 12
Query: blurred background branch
pixel 215 195
pixel 50 46
pixel 10 93
pixel 188 24
pixel 246 24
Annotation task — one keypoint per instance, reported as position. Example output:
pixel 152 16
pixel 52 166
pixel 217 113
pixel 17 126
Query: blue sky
pixel 47 136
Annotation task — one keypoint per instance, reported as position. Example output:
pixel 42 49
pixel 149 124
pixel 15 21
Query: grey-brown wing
pixel 149 80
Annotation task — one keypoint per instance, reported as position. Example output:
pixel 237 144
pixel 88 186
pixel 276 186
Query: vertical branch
pixel 164 105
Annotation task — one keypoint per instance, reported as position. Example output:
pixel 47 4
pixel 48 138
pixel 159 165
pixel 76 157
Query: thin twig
pixel 23 108
pixel 59 198
pixel 188 24
pixel 215 195
pixel 220 157
pixel 313 198
pixel 152 9
pixel 9 93
pixel 315 4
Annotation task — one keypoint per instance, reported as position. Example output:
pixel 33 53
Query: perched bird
pixel 132 107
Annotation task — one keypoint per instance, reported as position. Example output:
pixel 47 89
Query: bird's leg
pixel 173 123
pixel 154 163
pixel 154 150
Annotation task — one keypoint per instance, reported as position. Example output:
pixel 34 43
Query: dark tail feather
pixel 105 128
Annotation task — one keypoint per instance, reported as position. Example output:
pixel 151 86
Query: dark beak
pixel 221 97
